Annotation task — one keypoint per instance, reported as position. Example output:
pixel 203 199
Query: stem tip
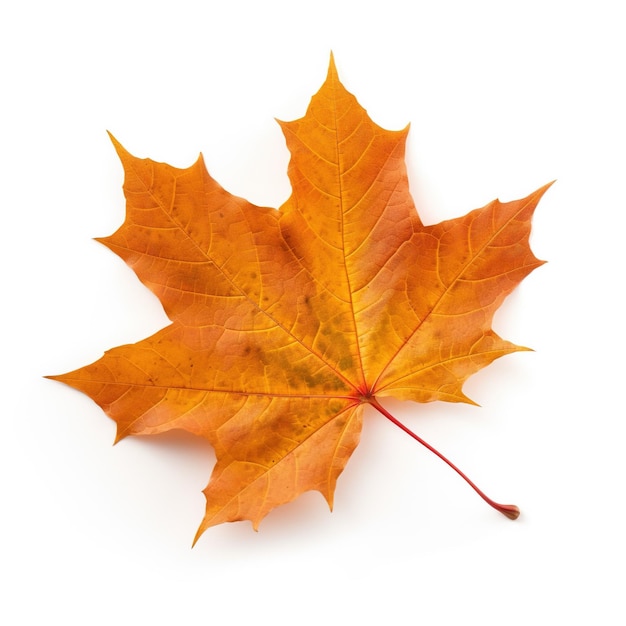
pixel 510 510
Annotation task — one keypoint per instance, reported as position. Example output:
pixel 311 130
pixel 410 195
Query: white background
pixel 502 97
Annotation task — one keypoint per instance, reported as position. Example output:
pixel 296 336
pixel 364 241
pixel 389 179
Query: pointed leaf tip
pixel 332 68
pixel 114 141
pixel 119 148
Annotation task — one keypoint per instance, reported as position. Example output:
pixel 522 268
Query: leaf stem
pixel 510 510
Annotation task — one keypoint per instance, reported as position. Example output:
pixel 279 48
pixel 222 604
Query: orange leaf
pixel 286 324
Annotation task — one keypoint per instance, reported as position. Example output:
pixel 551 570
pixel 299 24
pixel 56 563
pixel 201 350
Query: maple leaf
pixel 287 324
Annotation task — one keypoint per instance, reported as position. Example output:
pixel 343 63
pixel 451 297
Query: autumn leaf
pixel 287 324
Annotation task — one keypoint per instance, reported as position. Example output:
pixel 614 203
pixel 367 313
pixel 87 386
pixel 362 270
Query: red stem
pixel 510 510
